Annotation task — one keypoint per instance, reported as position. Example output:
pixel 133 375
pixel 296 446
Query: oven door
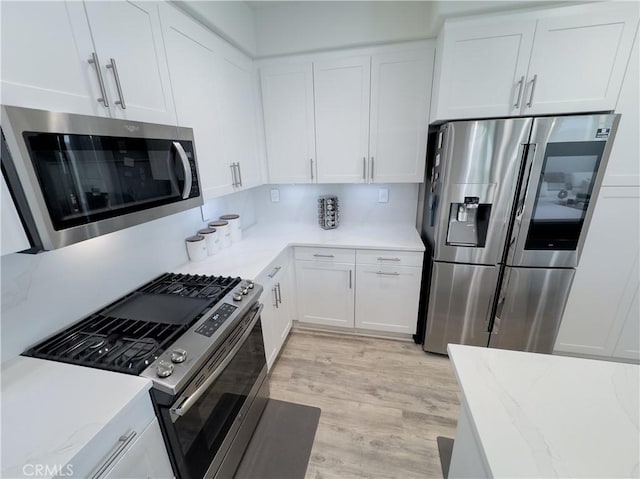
pixel 214 409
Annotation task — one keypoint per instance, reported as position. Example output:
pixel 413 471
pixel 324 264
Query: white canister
pixel 212 240
pixel 224 232
pixel 234 224
pixel 196 247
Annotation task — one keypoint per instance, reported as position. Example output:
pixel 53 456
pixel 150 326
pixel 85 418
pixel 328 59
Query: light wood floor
pixel 383 404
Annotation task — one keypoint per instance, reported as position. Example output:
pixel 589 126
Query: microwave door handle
pixel 188 178
pixel 176 411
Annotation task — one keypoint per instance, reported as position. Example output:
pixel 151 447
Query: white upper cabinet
pixel 192 64
pixel 578 61
pixel 341 91
pixel 47 46
pixel 287 102
pixel 236 96
pixel 481 68
pixel 559 60
pixel 128 40
pixel 400 94
pixel 45 51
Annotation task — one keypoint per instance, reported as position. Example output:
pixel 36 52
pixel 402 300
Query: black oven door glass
pixel 201 431
pixel 87 178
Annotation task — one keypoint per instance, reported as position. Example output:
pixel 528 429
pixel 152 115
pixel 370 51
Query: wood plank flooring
pixel 383 404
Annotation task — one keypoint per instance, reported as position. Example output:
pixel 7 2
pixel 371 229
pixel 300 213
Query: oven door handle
pixel 185 404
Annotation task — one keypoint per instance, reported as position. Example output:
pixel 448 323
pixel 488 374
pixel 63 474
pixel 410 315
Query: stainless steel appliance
pixel 507 208
pixel 199 339
pixel 74 177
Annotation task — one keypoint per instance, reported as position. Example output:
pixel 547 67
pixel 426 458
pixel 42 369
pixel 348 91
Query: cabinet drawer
pixel 389 257
pixel 333 255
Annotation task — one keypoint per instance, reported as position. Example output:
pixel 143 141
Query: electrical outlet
pixel 275 195
pixel 383 195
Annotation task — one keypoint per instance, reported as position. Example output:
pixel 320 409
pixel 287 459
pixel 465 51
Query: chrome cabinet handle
pixel 311 167
pixel 380 258
pixel 123 442
pixel 94 61
pixel 371 169
pixel 350 280
pixel 275 297
pixel 324 256
pixel 239 175
pixel 112 65
pixel 521 84
pixel 185 404
pixel 388 274
pixel 364 168
pixel 188 177
pixel 275 271
pixel 533 89
pixel 279 295
pixel 234 182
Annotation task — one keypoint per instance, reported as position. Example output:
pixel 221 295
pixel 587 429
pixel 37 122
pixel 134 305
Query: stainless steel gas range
pixel 199 339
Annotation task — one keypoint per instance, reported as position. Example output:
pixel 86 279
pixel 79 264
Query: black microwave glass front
pixel 88 178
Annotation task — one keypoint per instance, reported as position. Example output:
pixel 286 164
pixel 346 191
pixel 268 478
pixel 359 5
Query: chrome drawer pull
pixel 123 442
pixel 324 256
pixel 388 274
pixel 275 271
pixel 380 258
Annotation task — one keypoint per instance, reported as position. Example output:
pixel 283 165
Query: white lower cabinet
pixel 277 297
pixel 375 290
pixel 145 458
pixel 387 298
pixel 325 293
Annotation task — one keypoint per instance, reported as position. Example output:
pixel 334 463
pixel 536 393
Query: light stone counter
pixel 262 243
pixel 536 415
pixel 61 420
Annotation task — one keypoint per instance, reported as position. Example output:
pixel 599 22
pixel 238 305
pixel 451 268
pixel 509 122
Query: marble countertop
pixel 262 243
pixel 51 411
pixel 538 415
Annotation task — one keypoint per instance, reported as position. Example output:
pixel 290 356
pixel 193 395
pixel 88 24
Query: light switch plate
pixel 383 195
pixel 275 195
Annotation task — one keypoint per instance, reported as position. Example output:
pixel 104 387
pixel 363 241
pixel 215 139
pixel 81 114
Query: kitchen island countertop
pixel 539 415
pixel 60 419
pixel 262 243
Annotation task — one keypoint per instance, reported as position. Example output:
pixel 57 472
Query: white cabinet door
pixel 147 457
pixel 236 96
pixel 400 94
pixel 192 65
pixel 277 298
pixel 481 68
pixel 623 167
pixel 325 293
pixel 387 298
pixel 130 34
pixel 603 289
pixel 287 100
pixel 270 318
pixel 45 51
pixel 13 237
pixel 341 92
pixel 578 60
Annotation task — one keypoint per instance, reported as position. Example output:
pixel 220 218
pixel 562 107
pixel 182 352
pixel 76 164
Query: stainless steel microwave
pixel 75 177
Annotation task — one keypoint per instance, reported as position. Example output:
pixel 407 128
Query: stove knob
pixel 178 355
pixel 164 369
pixel 237 297
pixel 245 291
pixel 250 284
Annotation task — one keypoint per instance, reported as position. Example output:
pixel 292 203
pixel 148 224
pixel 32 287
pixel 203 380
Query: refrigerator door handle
pixel 525 182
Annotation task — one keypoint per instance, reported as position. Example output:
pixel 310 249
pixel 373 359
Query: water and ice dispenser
pixel 468 222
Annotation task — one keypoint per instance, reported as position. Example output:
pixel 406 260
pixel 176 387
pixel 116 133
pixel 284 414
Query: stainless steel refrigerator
pixel 507 205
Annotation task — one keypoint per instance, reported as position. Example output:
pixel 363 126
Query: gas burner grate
pixel 191 286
